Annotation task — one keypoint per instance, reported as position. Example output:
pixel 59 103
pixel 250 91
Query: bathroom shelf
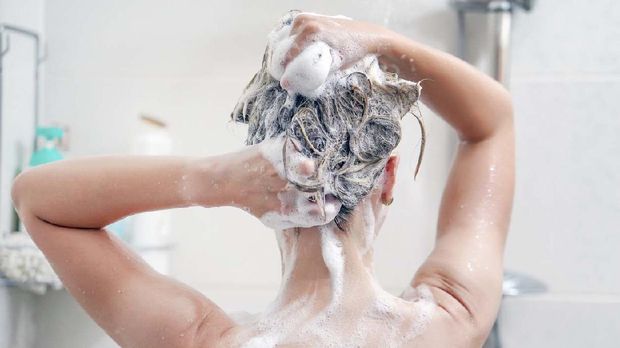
pixel 20 256
pixel 7 283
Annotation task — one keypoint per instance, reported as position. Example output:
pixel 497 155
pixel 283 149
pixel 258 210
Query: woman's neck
pixel 329 296
pixel 327 264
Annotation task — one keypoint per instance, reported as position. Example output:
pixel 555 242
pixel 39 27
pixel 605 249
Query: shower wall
pixel 566 79
pixel 565 83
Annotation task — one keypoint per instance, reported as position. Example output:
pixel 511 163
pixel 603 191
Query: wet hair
pixel 350 129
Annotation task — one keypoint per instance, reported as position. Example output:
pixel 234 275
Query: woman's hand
pixel 251 181
pixel 254 180
pixel 350 39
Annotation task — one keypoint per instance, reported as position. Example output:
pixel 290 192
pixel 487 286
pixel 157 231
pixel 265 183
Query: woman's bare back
pixel 385 321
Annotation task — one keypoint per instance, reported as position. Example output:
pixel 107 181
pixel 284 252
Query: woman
pixel 328 296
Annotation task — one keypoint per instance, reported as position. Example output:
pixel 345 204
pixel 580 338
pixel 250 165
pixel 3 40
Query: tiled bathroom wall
pixel 565 83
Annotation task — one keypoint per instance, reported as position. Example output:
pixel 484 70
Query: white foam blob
pixel 307 72
pixel 265 341
pixel 368 216
pixel 331 248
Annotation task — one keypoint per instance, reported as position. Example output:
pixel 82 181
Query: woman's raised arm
pixel 65 205
pixel 466 265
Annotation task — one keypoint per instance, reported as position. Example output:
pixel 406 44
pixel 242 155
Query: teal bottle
pixel 47 151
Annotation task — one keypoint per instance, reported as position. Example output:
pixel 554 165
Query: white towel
pixel 24 265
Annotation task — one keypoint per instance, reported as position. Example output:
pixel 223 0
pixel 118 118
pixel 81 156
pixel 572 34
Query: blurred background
pixel 154 76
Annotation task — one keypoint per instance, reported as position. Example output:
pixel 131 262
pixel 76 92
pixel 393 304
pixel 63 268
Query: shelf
pixel 7 283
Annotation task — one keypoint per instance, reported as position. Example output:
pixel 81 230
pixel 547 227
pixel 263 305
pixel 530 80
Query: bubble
pixel 308 71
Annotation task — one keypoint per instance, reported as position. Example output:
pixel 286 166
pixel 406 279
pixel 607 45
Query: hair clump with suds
pixel 350 129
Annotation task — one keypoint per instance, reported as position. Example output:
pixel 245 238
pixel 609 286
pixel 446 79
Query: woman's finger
pixel 306 31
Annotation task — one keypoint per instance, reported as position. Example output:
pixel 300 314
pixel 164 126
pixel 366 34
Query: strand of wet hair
pixel 418 117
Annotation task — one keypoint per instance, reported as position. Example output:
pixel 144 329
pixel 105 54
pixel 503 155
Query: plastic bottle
pixel 48 139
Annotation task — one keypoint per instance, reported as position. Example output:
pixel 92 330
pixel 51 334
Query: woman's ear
pixel 390 179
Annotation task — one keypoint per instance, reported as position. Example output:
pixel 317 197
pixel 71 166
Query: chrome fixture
pixel 5 46
pixel 502 10
pixel 6 33
pixel 514 284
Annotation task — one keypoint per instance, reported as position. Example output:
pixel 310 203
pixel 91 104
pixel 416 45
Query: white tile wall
pixel 567 321
pixel 62 323
pixel 17 318
pixel 568 37
pixel 567 206
pixel 566 79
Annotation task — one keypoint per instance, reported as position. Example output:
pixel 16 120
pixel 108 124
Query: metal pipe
pixel 502 10
pixel 8 28
pixel 461 45
pixel 4 50
pixel 503 21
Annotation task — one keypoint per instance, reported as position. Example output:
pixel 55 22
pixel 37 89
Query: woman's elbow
pixel 503 117
pixel 20 190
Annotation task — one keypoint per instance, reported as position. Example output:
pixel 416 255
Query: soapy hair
pixel 350 129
